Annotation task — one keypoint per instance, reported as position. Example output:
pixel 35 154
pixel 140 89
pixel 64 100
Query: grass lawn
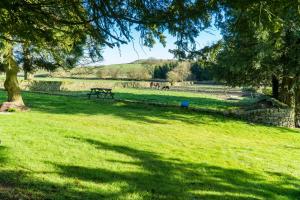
pixel 197 100
pixel 74 148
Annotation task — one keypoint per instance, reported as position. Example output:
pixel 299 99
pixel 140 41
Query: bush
pixel 60 73
pixel 249 89
pixel 267 91
pixel 11 110
pixel 102 73
pixel 45 85
pixel 138 74
pixel 181 72
pixel 114 72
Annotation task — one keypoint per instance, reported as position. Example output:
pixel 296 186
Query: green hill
pixel 138 68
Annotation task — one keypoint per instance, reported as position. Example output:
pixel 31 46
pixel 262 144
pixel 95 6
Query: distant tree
pixel 201 73
pixel 181 72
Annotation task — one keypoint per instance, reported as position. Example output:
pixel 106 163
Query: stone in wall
pixel 271 116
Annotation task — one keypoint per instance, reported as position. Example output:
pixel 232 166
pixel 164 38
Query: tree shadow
pixel 126 110
pixel 3 154
pixel 166 98
pixel 16 185
pixel 159 178
pixel 68 105
pixel 174 179
pixel 20 184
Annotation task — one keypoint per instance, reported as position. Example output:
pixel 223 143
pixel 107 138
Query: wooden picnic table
pixel 104 93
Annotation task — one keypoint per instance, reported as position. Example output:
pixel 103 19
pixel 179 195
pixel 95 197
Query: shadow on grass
pixel 165 97
pixel 20 184
pixel 127 110
pixel 169 179
pixel 159 179
pixel 16 185
pixel 3 154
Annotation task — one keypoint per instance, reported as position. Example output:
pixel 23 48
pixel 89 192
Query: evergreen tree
pixel 261 46
pixel 46 23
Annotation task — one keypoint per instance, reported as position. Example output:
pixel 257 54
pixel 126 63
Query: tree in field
pixel 261 46
pixel 110 23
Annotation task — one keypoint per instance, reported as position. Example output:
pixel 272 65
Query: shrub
pixel 249 89
pixel 60 73
pixel 11 110
pixel 181 72
pixel 45 85
pixel 138 74
pixel 102 73
pixel 267 91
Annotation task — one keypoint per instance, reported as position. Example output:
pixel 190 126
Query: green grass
pixel 73 148
pixel 197 100
pixel 173 98
pixel 125 67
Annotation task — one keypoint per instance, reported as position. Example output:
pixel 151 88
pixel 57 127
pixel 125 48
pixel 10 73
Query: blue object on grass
pixel 185 104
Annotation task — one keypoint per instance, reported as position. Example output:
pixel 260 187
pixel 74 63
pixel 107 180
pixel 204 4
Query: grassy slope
pixel 70 148
pixel 125 67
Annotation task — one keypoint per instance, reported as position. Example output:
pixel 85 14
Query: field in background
pixel 203 96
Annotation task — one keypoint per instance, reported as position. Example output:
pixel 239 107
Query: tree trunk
pixel 11 83
pixel 27 63
pixel 275 87
pixel 297 106
pixel 25 75
pixel 287 94
pixel 28 75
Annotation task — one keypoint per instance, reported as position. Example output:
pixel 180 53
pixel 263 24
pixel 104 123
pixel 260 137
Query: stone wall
pixel 69 85
pixel 283 117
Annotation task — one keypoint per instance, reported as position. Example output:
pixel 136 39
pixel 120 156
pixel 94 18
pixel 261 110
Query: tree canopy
pixel 261 46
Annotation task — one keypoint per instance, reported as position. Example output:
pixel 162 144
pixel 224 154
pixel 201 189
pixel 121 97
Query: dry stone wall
pixel 283 117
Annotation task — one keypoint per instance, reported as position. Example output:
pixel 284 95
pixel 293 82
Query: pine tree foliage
pixel 54 33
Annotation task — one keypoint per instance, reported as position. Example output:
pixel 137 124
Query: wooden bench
pixel 104 93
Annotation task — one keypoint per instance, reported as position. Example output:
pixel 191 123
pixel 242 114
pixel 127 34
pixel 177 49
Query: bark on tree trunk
pixel 297 106
pixel 275 87
pixel 287 94
pixel 27 64
pixel 11 83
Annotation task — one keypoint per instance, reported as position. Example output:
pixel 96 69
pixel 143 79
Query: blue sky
pixel 134 50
